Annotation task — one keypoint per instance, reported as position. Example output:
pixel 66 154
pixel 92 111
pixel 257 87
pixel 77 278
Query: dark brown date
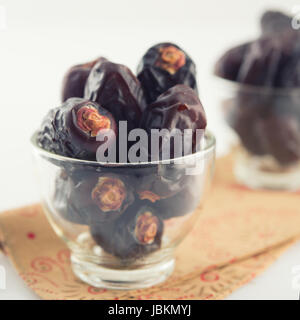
pixel 261 63
pixel 75 79
pixel 71 129
pixel 103 197
pixel 163 66
pixel 96 199
pixel 271 61
pixel 117 89
pixel 229 64
pixel 178 108
pixel 137 233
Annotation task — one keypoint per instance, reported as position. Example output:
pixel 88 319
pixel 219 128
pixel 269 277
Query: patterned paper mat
pixel 239 233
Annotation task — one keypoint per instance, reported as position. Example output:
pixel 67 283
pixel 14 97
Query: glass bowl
pixel 267 124
pixel 122 222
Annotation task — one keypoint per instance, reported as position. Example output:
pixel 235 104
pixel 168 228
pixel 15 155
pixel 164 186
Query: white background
pixel 43 38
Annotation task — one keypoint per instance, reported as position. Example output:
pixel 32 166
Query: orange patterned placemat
pixel 238 234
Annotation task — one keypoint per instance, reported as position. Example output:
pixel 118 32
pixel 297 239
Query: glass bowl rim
pixel 230 84
pixel 208 149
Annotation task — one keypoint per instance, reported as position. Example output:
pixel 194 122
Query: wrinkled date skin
pixel 273 22
pixel 228 65
pixel 117 89
pixel 71 129
pixel 177 108
pixel 75 79
pixel 163 66
pixel 136 233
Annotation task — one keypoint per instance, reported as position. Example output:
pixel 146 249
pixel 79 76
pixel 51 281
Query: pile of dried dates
pixel 265 112
pixel 124 207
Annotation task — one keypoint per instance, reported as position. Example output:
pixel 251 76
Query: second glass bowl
pixel 267 123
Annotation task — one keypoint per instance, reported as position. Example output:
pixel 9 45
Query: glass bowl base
pixel 101 277
pixel 262 172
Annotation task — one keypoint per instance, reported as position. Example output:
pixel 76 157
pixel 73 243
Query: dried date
pixel 75 79
pixel 71 130
pixel 229 64
pixel 163 66
pixel 103 197
pixel 178 109
pixel 117 89
pixel 137 233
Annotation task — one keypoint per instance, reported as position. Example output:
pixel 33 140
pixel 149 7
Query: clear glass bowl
pixel 267 124
pixel 122 222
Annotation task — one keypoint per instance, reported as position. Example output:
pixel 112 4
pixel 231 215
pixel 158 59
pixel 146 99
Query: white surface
pixel 43 38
